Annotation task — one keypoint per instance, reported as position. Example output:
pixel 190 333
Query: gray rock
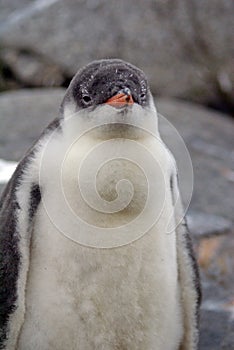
pixel 215 256
pixel 209 138
pixel 31 69
pixel 216 331
pixel 10 7
pixel 217 323
pixel 23 116
pixel 203 225
pixel 185 47
pixel 228 341
pixel 1 188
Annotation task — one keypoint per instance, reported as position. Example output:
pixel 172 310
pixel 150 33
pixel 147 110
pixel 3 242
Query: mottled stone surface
pixel 209 138
pixel 215 256
pixel 203 225
pixel 10 7
pixel 215 334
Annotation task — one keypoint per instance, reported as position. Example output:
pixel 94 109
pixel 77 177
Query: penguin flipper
pixel 17 207
pixel 188 274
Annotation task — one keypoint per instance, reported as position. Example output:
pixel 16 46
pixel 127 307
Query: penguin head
pixel 107 90
pixel 110 81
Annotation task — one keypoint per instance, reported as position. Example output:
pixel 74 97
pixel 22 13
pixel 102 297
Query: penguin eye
pixel 143 98
pixel 142 95
pixel 86 99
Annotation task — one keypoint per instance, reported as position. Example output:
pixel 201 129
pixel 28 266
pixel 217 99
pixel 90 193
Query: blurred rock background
pixel 186 49
pixel 184 46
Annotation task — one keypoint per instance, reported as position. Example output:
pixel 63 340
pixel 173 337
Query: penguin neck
pixel 111 152
pixel 105 122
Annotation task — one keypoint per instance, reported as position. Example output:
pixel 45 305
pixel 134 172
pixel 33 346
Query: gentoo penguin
pixel 79 275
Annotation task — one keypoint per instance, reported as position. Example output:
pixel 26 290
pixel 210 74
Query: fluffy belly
pixel 84 298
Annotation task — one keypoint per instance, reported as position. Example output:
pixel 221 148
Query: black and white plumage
pixel 57 294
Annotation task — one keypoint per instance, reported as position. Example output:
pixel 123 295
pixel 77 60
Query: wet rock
pixel 185 47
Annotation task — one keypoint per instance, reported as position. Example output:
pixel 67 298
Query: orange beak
pixel 119 100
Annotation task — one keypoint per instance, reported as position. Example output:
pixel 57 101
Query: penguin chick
pixel 65 282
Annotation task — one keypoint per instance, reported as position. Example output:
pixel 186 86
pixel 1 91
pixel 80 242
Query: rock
pixel 31 69
pixel 228 341
pixel 10 7
pixel 208 136
pixel 1 188
pixel 23 116
pixel 216 331
pixel 207 250
pixel 203 225
pixel 217 321
pixel 217 272
pixel 185 47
